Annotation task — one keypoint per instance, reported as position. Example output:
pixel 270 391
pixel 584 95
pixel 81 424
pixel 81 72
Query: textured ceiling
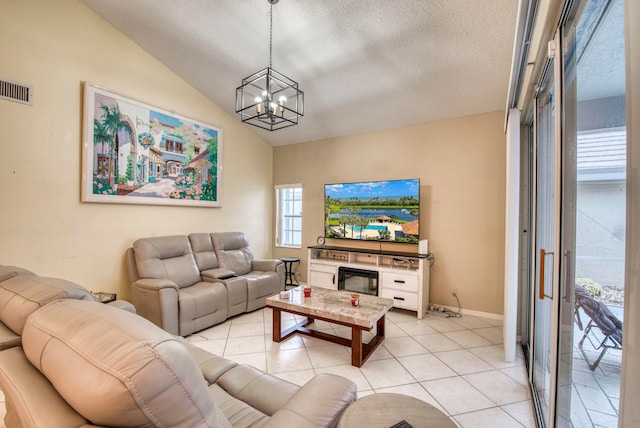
pixel 364 65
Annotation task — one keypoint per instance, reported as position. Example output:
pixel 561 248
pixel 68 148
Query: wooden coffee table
pixel 334 307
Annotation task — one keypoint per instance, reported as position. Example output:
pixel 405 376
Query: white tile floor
pixel 455 364
pixel 595 397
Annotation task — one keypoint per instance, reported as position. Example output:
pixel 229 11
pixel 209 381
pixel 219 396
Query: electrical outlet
pixel 454 292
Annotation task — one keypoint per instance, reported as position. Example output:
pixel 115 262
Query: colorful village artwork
pixel 141 154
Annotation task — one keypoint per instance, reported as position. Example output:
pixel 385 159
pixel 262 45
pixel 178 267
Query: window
pixel 289 215
pixel 174 146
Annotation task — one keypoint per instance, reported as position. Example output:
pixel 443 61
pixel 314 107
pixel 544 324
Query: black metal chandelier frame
pixel 269 99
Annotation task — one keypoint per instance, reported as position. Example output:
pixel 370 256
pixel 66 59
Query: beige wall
pixel 54 46
pixel 461 166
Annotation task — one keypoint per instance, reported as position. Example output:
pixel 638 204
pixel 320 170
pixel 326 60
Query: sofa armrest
pixel 8 339
pixel 217 274
pixel 124 305
pixel 319 403
pixel 7 272
pixel 157 301
pixel 154 284
pixel 266 265
pixel 211 365
pixel 256 388
pixel 30 398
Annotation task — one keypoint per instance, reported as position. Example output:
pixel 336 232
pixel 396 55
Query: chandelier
pixel 269 99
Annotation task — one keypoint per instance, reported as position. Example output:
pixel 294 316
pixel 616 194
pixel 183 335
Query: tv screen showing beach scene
pixel 374 210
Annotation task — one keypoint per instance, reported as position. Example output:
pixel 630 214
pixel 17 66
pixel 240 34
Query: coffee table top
pixel 334 304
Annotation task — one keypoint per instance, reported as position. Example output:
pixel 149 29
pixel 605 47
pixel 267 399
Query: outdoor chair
pixel 602 318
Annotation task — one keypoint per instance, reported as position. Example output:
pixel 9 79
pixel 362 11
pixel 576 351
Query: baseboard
pixel 471 312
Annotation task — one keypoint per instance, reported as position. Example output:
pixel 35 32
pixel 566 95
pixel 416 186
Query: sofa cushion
pixel 233 251
pixel 23 294
pixel 261 285
pixel 116 368
pixel 202 248
pixel 166 257
pixel 202 305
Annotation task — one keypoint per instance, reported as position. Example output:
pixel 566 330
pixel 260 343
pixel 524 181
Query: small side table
pixel 386 410
pixel 289 271
pixel 103 297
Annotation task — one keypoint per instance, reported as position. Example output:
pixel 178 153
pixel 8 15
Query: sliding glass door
pixel 545 189
pixel 593 214
pixel 578 197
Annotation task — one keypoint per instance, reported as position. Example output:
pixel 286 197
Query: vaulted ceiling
pixel 364 65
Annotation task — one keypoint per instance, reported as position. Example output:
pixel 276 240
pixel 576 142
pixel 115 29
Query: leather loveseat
pixel 22 292
pixel 184 284
pixel 85 364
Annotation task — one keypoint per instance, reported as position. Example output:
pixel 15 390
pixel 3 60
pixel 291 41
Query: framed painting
pixel 134 153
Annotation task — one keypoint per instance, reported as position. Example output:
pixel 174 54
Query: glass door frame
pixel 554 66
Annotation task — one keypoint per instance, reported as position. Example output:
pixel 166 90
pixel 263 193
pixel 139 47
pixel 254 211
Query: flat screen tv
pixel 386 210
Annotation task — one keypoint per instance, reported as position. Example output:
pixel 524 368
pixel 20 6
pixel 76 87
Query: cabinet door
pixel 323 276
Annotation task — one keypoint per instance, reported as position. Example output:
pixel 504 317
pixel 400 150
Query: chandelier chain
pixel 270 34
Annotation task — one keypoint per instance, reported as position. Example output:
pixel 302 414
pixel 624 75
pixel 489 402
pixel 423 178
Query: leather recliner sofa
pixel 185 284
pixel 22 292
pixel 85 364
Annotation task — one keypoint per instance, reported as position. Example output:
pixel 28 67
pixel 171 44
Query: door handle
pixel 543 254
pixel 567 279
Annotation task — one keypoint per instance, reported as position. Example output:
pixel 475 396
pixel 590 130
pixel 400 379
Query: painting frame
pixel 137 153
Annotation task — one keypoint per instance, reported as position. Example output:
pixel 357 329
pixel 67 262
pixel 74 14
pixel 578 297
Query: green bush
pixel 592 287
pixel 129 172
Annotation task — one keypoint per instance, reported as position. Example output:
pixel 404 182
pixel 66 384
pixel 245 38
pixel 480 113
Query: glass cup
pixel 355 299
pixel 307 291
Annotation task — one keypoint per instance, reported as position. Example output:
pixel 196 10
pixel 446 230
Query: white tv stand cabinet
pixel 402 277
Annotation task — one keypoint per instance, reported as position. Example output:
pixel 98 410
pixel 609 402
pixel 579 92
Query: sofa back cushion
pixel 203 252
pixel 233 251
pixel 23 294
pixel 116 368
pixel 166 257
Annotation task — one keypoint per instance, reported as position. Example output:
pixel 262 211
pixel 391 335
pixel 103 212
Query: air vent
pixel 13 91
